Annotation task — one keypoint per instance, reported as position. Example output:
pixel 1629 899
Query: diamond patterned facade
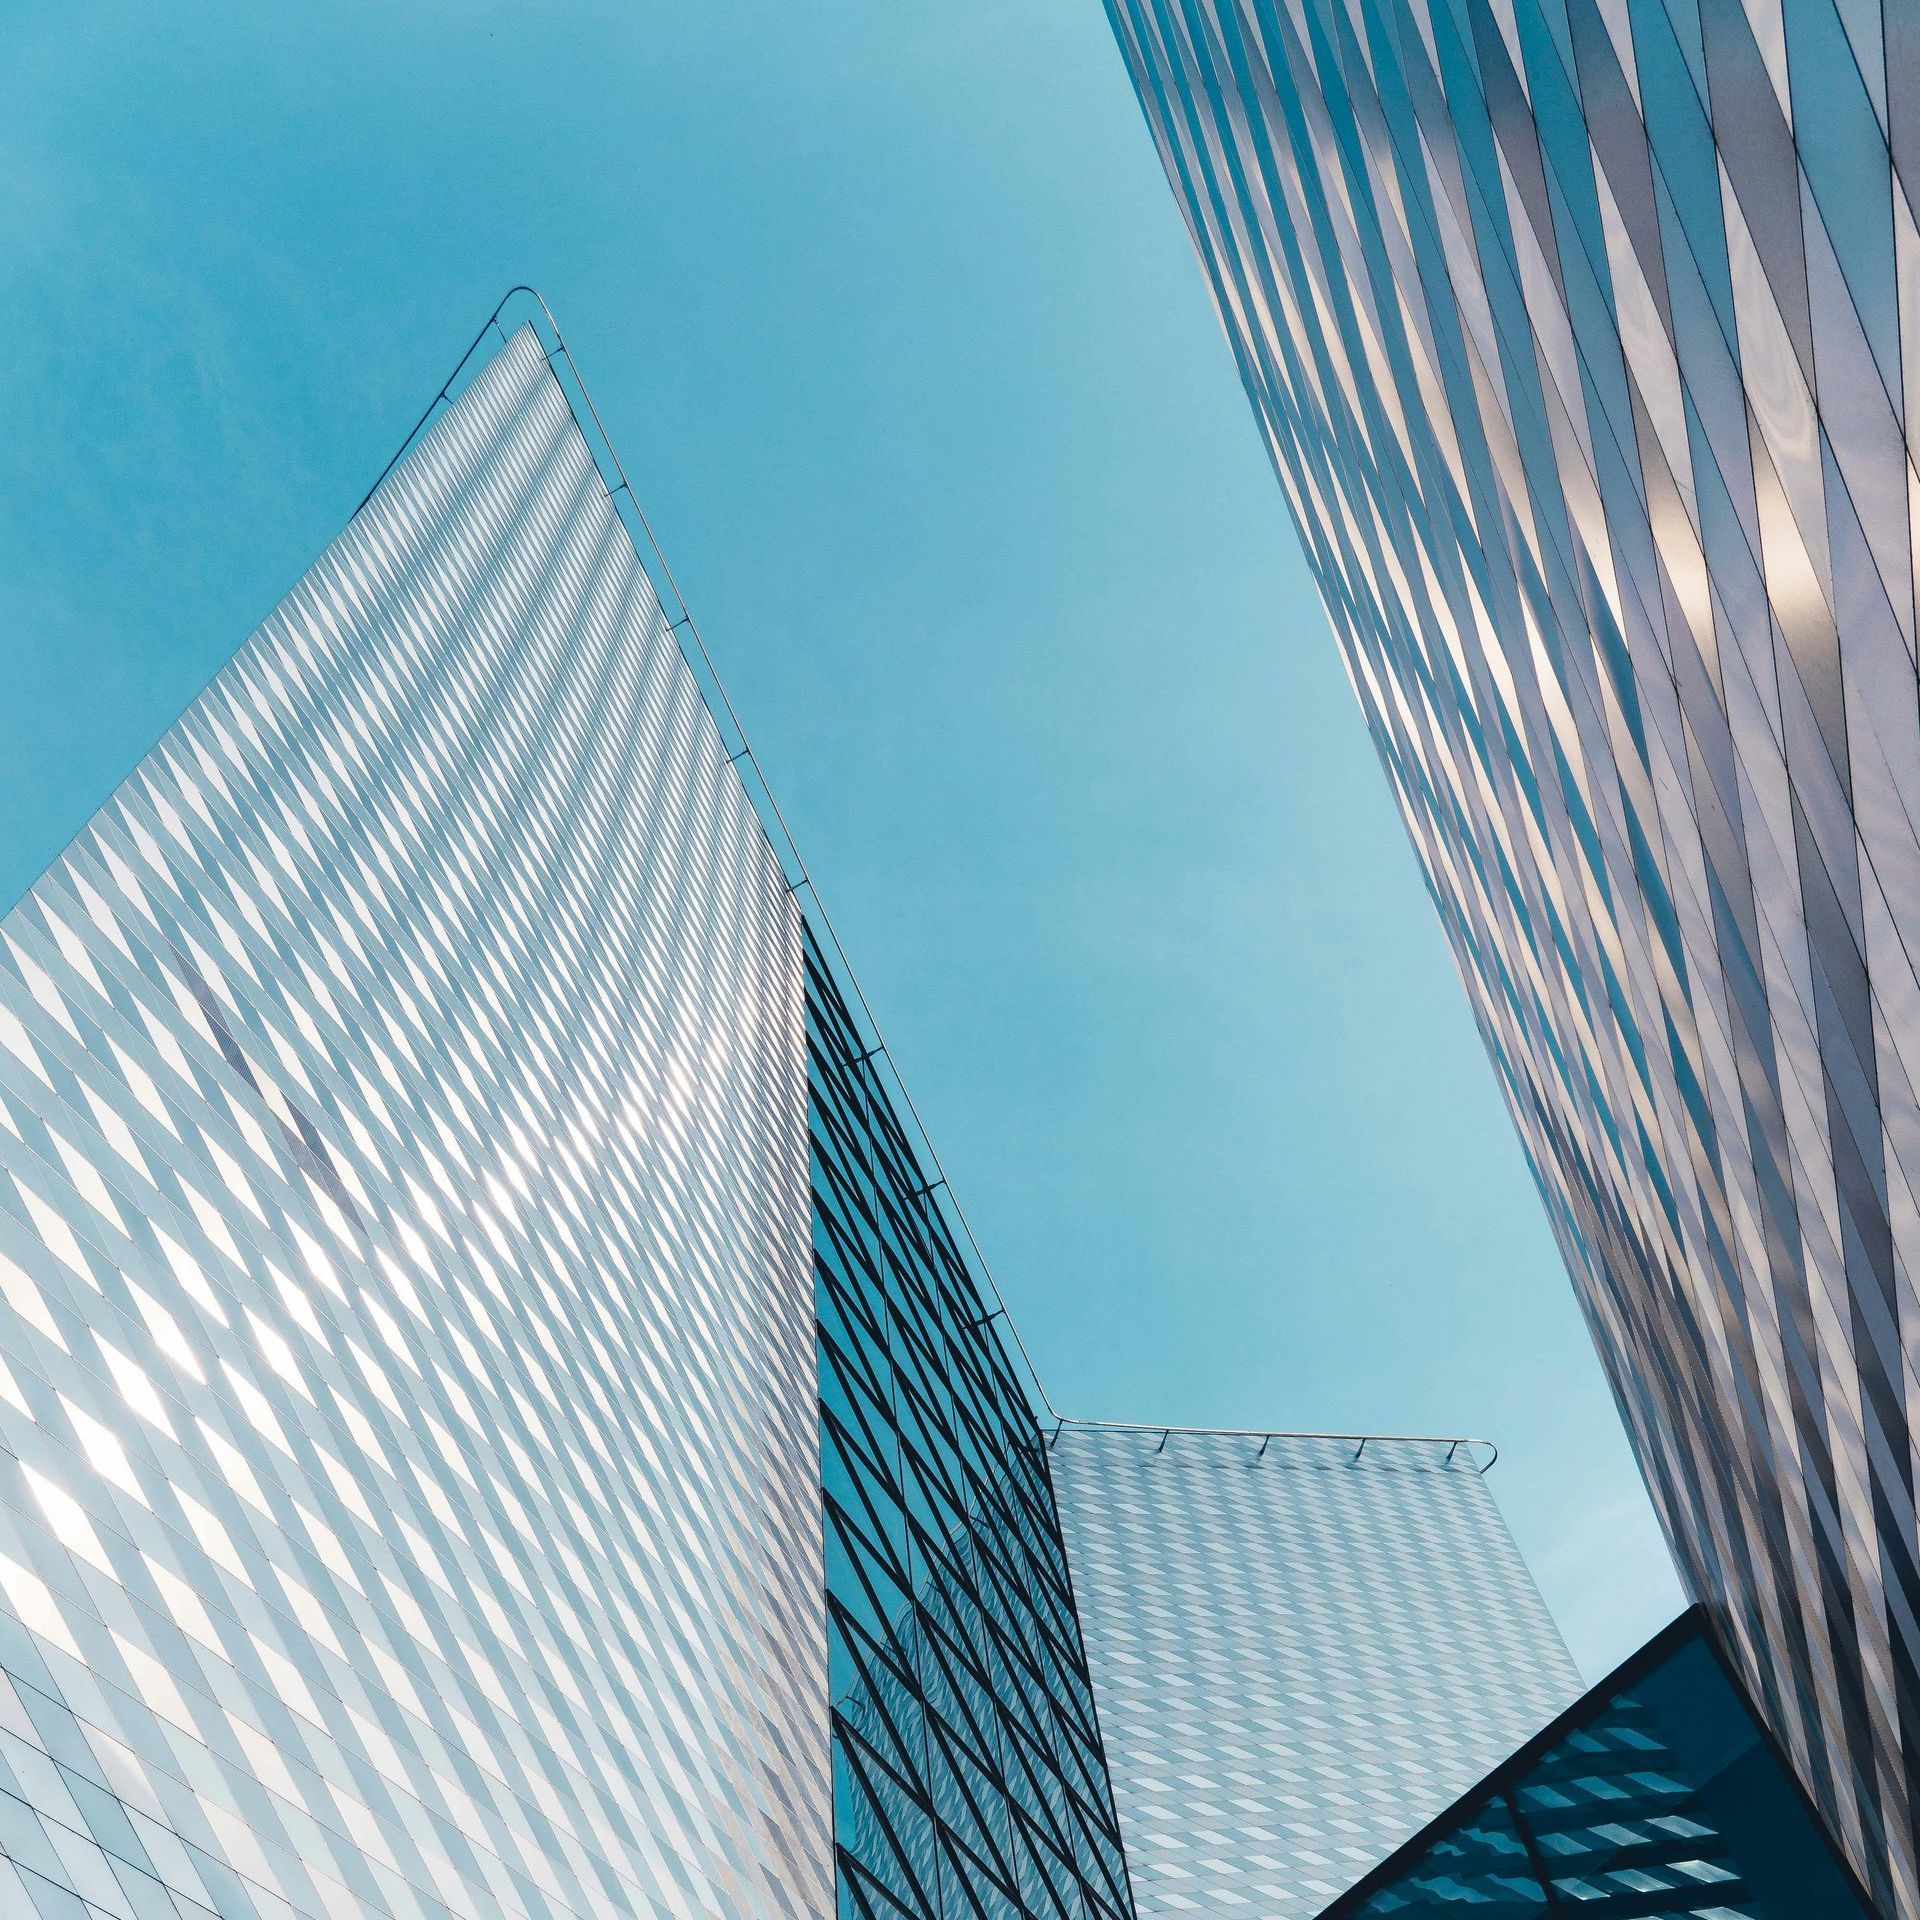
pixel 409 1501
pixel 413 1374
pixel 969 1775
pixel 1300 1655
pixel 1656 1797
pixel 1582 336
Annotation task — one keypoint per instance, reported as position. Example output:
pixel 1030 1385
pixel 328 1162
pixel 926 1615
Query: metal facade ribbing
pixel 1303 1649
pixel 409 1501
pixel 1583 337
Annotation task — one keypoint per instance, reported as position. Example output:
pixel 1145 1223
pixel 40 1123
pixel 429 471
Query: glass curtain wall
pixel 1656 1797
pixel 969 1780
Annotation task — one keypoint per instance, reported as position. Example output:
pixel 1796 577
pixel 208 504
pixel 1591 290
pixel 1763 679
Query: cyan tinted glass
pixel 968 1773
pixel 1657 1799
pixel 408 1488
pixel 1583 335
pixel 1303 1649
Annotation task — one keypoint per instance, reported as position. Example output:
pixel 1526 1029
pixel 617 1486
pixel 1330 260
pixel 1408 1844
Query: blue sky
pixel 891 317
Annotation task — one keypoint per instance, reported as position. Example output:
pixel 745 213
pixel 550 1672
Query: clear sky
pixel 889 312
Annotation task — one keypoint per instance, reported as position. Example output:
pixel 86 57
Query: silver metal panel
pixel 1302 1652
pixel 1582 334
pixel 410 1497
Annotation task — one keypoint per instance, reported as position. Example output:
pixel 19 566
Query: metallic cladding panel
pixel 1300 1656
pixel 410 1500
pixel 1583 337
pixel 969 1775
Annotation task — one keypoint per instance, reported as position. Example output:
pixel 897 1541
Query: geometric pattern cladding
pixel 969 1781
pixel 408 1444
pixel 1303 1649
pixel 1655 1797
pixel 1585 338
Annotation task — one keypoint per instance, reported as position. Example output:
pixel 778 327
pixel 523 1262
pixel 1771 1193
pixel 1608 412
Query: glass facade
pixel 1582 334
pixel 1303 1648
pixel 969 1778
pixel 1656 1797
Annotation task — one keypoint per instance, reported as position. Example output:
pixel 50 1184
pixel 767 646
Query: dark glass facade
pixel 1582 335
pixel 969 1780
pixel 1656 1797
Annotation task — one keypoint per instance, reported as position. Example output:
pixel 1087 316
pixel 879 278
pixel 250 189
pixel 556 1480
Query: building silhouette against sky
pixel 1581 336
pixel 497 1413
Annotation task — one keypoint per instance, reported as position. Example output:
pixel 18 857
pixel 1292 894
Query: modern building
pixel 1581 336
pixel 420 1329
pixel 1304 1647
pixel 498 1415
pixel 1656 1796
